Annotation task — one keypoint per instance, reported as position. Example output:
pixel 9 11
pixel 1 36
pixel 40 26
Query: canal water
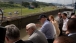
pixel 23 34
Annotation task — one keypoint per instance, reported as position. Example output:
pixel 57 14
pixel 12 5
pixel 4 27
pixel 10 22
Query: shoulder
pixel 47 23
pixel 67 20
pixel 73 35
pixel 34 35
pixel 28 41
pixel 20 41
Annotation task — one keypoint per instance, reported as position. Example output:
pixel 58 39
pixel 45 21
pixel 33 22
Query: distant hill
pixel 56 4
pixel 71 4
pixel 18 1
pixel 51 4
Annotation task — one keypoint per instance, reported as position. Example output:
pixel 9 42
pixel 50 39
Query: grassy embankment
pixel 25 11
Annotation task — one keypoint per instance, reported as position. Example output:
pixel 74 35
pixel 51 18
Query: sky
pixel 58 1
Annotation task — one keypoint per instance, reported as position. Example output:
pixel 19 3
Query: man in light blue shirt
pixel 47 28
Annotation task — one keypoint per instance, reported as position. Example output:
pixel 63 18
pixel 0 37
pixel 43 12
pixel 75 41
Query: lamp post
pixel 1 16
pixel 21 8
pixel 75 7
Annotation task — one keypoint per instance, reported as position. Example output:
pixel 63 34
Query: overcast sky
pixel 58 1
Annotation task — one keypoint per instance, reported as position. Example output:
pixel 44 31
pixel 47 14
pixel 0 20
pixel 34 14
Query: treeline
pixel 24 4
pixel 36 4
pixel 8 5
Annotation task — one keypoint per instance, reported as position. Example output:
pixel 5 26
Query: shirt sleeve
pixel 44 28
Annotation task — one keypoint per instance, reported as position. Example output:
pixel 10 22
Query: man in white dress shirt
pixel 65 20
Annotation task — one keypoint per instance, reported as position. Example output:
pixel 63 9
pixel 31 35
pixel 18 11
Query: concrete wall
pixel 21 22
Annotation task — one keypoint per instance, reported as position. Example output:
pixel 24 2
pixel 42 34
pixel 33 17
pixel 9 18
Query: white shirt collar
pixel 71 34
pixel 15 41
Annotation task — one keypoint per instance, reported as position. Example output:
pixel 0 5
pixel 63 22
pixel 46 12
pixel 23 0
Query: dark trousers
pixel 60 31
pixel 50 40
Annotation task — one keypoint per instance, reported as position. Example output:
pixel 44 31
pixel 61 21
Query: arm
pixel 44 28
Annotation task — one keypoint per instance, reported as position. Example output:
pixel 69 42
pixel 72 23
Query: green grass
pixel 26 11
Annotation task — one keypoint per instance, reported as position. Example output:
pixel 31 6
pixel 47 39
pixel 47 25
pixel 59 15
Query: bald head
pixel 31 25
pixel 30 28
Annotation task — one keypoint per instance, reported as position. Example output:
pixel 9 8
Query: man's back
pixel 48 29
pixel 21 41
pixel 38 37
pixel 73 37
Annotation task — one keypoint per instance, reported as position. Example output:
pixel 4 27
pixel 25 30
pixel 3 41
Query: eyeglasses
pixel 27 29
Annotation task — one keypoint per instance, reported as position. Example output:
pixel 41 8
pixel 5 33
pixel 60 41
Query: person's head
pixel 12 33
pixel 63 39
pixel 51 17
pixel 73 16
pixel 30 28
pixel 42 18
pixel 71 25
pixel 64 15
pixel 59 14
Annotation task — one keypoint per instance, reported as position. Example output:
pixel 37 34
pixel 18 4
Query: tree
pixel 11 2
pixel 25 4
pixel 35 4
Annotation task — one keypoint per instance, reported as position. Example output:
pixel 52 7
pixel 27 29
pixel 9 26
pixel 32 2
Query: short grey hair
pixel 12 32
pixel 31 25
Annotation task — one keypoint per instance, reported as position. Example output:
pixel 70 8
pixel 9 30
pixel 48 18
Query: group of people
pixel 67 28
pixel 59 30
